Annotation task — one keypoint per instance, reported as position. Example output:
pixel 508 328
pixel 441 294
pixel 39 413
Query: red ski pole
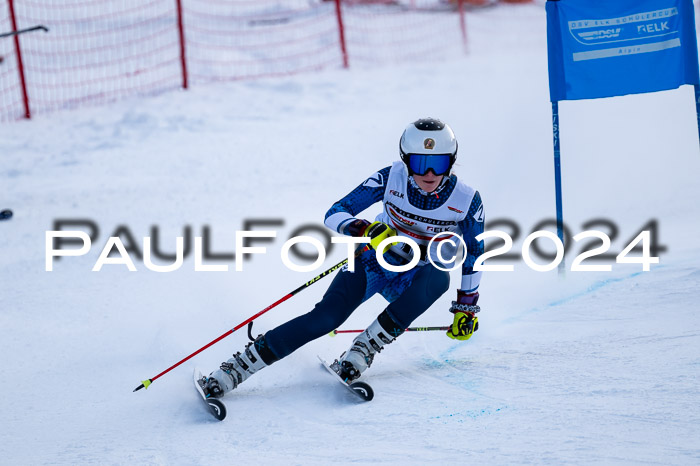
pixel 146 383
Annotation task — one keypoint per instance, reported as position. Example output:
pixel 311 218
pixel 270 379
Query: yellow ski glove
pixel 463 326
pixel 465 322
pixel 378 232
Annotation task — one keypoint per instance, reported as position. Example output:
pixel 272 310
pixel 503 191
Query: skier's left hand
pixel 465 322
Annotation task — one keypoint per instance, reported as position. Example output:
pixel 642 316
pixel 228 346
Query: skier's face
pixel 428 182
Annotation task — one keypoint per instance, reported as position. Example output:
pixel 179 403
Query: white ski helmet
pixel 428 137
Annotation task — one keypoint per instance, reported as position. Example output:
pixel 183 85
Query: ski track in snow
pixel 594 368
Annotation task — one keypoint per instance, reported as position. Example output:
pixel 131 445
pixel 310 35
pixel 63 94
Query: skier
pixel 421 198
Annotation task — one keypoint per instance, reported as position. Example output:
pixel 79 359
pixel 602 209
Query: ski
pixel 359 389
pixel 214 406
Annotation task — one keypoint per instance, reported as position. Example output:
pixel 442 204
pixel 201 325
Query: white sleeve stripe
pixel 470 283
pixel 336 220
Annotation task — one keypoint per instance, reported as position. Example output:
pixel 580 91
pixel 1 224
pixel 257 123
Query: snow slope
pixel 591 368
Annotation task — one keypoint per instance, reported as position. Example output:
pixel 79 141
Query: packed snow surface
pixel 590 367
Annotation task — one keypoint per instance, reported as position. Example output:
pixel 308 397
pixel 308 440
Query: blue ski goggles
pixel 420 164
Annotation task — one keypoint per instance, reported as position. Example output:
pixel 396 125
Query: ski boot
pixel 359 357
pixel 233 372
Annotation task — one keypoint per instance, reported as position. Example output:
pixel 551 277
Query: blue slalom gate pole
pixel 697 106
pixel 557 180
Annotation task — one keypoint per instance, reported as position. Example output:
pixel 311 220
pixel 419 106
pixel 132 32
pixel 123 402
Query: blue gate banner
pixel 605 48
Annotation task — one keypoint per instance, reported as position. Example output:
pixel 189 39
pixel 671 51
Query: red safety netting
pixel 103 50
pixel 11 105
pixel 248 38
pixel 407 31
pixel 97 50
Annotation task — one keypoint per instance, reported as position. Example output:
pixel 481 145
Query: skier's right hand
pixel 378 232
pixel 356 228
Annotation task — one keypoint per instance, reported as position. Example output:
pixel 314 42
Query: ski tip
pixel 363 390
pixel 217 408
